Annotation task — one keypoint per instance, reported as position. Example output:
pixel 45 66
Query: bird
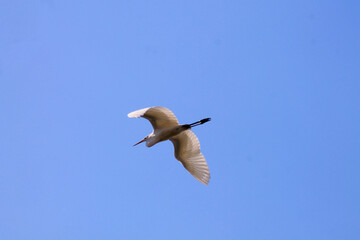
pixel 186 144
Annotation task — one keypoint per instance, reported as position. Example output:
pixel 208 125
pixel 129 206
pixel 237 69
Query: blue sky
pixel 280 80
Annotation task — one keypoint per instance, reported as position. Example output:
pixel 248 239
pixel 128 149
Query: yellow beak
pixel 139 142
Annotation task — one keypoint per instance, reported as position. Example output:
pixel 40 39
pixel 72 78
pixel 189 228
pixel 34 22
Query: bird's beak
pixel 139 142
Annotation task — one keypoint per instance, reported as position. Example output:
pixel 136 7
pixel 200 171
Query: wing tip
pixel 204 180
pixel 138 113
pixel 205 183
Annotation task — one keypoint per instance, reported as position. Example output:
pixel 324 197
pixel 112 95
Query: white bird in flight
pixel 186 144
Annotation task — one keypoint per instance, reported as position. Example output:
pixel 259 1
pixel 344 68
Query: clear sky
pixel 280 80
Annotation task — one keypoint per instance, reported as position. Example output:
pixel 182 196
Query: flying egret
pixel 186 144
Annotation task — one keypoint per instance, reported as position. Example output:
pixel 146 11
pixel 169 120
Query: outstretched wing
pixel 187 151
pixel 159 117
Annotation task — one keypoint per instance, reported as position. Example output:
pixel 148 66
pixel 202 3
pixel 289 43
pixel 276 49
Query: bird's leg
pixel 202 121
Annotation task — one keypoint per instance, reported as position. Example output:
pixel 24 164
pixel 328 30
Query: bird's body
pixel 163 134
pixel 186 144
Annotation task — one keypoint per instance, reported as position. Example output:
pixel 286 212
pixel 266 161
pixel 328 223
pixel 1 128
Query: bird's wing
pixel 187 151
pixel 159 117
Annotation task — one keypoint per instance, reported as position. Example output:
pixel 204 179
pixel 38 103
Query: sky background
pixel 280 80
